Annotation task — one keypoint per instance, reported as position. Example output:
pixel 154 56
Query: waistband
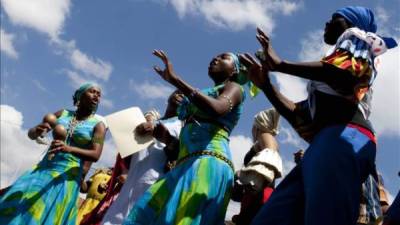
pixel 206 153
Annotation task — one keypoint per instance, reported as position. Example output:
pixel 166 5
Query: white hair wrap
pixel 153 113
pixel 267 121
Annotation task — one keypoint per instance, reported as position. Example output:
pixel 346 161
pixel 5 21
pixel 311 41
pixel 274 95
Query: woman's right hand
pixel 145 128
pixel 168 73
pixel 256 73
pixel 39 130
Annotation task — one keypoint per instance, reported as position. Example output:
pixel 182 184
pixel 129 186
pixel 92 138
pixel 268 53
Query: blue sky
pixel 48 48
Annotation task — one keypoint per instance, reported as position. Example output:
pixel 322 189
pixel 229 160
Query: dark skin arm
pixel 216 106
pixel 317 71
pixel 290 110
pixel 260 77
pixel 92 154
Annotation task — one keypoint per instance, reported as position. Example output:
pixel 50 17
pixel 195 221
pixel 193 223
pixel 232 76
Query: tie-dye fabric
pixel 48 193
pixel 197 191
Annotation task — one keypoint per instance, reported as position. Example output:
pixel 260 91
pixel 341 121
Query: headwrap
pixel 241 76
pixel 153 113
pixel 82 89
pixel 364 19
pixel 267 121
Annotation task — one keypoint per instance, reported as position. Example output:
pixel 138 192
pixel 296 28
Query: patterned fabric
pixel 93 197
pixel 198 190
pixel 48 193
pixel 370 207
pixel 356 52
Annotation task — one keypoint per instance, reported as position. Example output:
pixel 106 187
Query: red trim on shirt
pixel 364 130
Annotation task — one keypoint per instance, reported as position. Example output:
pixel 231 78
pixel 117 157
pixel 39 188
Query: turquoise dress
pixel 197 190
pixel 48 193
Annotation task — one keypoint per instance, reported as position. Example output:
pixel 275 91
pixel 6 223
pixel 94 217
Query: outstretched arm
pixel 293 112
pixel 317 70
pixel 229 97
pixel 260 77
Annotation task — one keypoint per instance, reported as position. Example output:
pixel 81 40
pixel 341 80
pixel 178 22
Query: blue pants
pixel 325 187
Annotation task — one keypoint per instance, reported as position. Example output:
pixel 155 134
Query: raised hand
pixel 256 73
pixel 271 60
pixel 168 73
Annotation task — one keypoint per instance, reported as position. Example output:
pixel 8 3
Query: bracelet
pixel 229 101
pixel 193 93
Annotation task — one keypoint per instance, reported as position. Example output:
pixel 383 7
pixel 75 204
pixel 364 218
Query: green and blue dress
pixel 197 190
pixel 48 193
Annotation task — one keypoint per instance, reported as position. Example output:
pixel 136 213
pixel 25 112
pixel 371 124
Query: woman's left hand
pixel 58 146
pixel 272 61
pixel 168 73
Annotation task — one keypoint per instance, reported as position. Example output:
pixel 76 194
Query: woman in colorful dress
pixel 325 187
pixel 48 193
pixel 197 190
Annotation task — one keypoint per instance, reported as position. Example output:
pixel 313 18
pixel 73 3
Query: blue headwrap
pixel 364 19
pixel 82 89
pixel 242 78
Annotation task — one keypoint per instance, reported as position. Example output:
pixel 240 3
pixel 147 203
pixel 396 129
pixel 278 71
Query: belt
pixel 207 153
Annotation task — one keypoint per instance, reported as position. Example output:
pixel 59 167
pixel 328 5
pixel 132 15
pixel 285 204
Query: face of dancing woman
pixel 334 28
pixel 221 68
pixel 91 98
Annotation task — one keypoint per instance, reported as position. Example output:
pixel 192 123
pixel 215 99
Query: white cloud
pixel 40 86
pixel 95 67
pixel 6 44
pixel 147 90
pixel 386 97
pixel 239 145
pixel 46 16
pixel 381 15
pixel 75 78
pixel 108 155
pixel 288 136
pixel 18 152
pixel 236 14
pixel 292 87
pixel 313 48
pixel 107 103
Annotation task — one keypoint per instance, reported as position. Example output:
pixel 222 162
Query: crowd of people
pixel 186 176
